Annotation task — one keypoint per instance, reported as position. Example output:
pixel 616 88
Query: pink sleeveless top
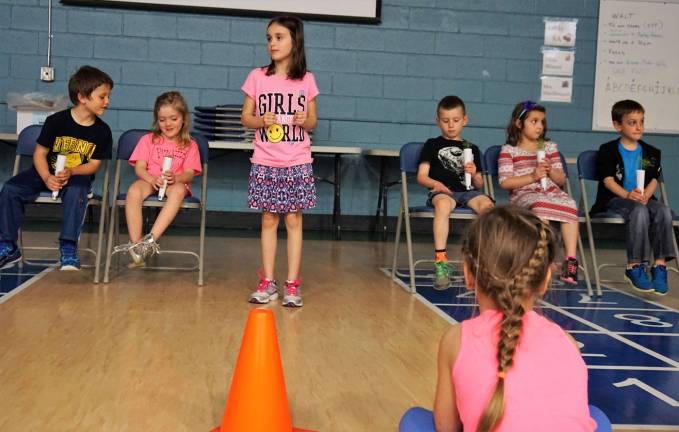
pixel 545 389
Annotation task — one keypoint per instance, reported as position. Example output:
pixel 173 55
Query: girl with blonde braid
pixel 509 368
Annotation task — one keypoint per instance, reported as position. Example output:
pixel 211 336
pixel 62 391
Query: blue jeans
pixel 418 419
pixel 25 187
pixel 648 228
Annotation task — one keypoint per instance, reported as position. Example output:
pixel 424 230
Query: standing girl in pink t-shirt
pixel 509 368
pixel 280 103
pixel 169 137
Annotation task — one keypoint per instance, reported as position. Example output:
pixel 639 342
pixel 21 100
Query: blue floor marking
pixel 630 344
pixel 13 277
pixel 662 344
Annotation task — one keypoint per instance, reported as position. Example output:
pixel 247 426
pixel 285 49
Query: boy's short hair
pixel 85 80
pixel 624 107
pixel 451 102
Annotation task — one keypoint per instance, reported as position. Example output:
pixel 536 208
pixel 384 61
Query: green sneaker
pixel 442 279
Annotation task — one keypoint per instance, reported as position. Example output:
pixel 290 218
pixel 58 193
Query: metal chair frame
pixel 126 145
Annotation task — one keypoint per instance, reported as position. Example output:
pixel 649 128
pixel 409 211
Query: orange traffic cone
pixel 257 399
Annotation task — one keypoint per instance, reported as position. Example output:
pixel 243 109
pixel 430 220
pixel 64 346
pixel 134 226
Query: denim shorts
pixel 461 198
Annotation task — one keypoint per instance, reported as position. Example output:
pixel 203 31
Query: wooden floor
pixel 151 351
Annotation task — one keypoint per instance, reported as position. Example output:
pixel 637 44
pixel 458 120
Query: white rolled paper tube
pixel 167 164
pixel 641 177
pixel 468 157
pixel 61 164
pixel 543 180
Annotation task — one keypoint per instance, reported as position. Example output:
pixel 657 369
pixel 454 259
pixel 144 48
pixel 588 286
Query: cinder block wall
pixel 379 83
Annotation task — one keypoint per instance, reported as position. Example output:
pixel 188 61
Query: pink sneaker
pixel 266 291
pixel 569 271
pixel 293 294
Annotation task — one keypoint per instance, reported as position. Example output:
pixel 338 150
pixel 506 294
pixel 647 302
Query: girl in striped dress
pixel 538 185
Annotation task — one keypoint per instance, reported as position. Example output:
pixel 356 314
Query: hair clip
pixel 527 106
pixel 502 375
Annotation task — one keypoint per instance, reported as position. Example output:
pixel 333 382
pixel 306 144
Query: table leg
pixel 336 208
pixel 385 191
pixel 380 193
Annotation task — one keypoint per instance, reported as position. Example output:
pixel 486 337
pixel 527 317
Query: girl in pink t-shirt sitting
pixel 280 103
pixel 169 138
pixel 509 368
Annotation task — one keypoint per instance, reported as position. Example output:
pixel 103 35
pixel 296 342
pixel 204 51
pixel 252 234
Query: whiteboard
pixel 345 10
pixel 638 58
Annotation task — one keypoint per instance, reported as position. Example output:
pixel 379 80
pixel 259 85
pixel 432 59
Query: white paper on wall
pixel 560 31
pixel 556 89
pixel 557 61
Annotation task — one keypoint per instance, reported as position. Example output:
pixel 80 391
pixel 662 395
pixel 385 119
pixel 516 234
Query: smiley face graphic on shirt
pixel 274 133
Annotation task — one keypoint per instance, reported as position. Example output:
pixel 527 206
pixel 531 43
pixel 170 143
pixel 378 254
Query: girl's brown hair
pixel 520 113
pixel 508 251
pixel 176 101
pixel 295 26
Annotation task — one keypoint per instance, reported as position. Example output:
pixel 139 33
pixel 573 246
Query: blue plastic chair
pixel 126 144
pixel 490 159
pixel 409 159
pixel 419 419
pixel 490 164
pixel 26 142
pixel 664 197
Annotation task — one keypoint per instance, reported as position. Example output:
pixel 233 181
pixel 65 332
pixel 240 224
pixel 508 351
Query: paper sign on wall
pixel 556 89
pixel 557 62
pixel 560 32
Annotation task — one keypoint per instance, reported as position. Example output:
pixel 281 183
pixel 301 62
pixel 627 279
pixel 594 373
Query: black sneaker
pixel 569 271
pixel 9 254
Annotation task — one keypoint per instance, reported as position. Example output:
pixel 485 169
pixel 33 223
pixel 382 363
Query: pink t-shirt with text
pixel 283 97
pixel 154 152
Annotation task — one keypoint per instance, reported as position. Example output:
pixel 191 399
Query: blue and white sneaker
pixel 638 278
pixel 659 278
pixel 9 254
pixel 69 260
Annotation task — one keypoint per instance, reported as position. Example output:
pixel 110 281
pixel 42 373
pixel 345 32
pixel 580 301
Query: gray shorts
pixel 461 198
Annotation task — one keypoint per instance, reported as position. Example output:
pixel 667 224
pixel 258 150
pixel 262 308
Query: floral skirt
pixel 281 190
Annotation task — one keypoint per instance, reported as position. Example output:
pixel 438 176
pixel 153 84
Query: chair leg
pixel 20 244
pixel 409 244
pixel 595 265
pixel 581 251
pixel 397 240
pixel 676 250
pixel 113 222
pixel 100 240
pixel 202 247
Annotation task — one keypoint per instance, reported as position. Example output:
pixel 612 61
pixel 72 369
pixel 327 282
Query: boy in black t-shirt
pixel 442 171
pixel 85 140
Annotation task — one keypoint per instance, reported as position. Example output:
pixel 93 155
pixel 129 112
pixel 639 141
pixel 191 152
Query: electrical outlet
pixel 47 74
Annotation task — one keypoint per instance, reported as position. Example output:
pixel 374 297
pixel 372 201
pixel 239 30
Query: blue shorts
pixel 461 198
